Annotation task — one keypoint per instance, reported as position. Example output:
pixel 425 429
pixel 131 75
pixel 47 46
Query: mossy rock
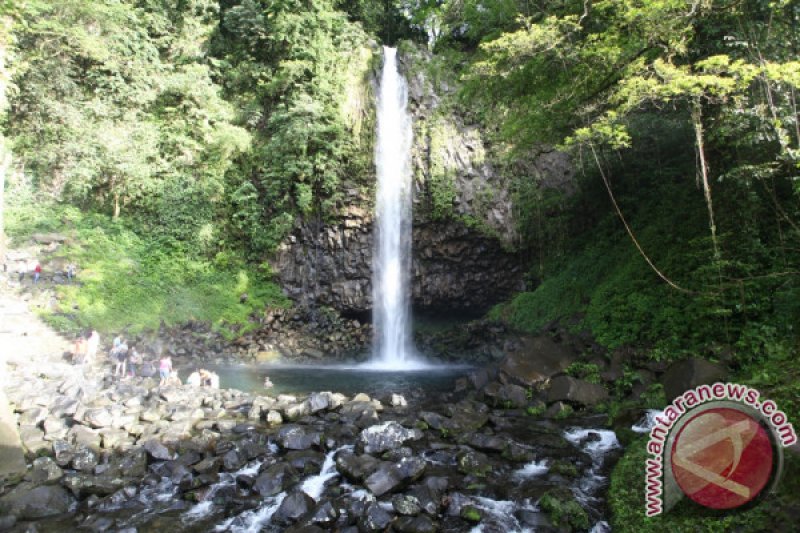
pixel 471 513
pixel 564 469
pixel 563 510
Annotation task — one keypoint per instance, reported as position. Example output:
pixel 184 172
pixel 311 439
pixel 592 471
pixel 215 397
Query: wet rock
pixel 473 463
pixel 157 451
pixel 325 514
pixel 298 438
pixel 390 477
pixel 84 459
pixel 233 460
pixel 566 388
pixel 273 480
pixel 356 467
pixel 388 436
pixel 490 443
pixel 375 518
pixel 688 374
pixel 305 460
pixel 27 502
pixel 415 524
pixel 535 360
pixel 44 471
pixel 406 504
pixel 293 506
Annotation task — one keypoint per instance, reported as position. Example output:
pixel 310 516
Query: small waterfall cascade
pixel 393 348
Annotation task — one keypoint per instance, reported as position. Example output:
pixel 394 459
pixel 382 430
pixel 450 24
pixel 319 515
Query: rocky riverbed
pixel 110 455
pixel 131 456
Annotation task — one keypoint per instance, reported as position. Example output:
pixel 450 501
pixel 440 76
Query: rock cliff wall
pixel 464 229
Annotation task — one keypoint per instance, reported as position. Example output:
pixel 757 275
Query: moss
pixel 564 469
pixel 470 513
pixel 563 510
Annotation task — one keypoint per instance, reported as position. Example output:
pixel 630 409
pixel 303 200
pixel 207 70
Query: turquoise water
pixel 347 380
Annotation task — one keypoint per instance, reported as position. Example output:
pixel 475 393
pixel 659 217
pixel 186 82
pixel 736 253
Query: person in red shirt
pixel 37 272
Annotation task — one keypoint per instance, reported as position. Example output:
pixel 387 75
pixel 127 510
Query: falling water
pixel 390 292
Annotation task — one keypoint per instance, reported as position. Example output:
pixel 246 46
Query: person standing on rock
pixel 37 271
pixel 70 272
pixel 164 369
pixel 121 358
pixel 79 350
pixel 134 360
pixel 92 343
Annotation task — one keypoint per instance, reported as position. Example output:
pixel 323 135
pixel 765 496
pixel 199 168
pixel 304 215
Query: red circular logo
pixel 722 458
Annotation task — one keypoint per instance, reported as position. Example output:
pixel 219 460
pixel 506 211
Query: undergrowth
pixel 127 281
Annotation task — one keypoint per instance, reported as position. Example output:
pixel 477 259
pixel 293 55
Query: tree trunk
pixel 116 206
pixel 697 115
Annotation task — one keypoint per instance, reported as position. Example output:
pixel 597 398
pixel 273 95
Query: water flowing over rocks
pixel 136 457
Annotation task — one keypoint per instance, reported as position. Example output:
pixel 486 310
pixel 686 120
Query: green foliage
pixel 139 118
pixel 586 371
pixel 626 499
pixel 299 73
pixel 563 510
pixel 127 281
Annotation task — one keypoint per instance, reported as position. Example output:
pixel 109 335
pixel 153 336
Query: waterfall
pixel 392 259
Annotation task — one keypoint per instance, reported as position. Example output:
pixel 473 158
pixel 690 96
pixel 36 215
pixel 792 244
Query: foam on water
pixel 533 469
pixel 204 508
pixel 314 486
pixel 254 520
pixel 647 421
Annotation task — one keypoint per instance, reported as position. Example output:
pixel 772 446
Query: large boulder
pixel 534 360
pixel 566 388
pixel 296 437
pixel 388 436
pixel 12 456
pixel 688 374
pixel 27 502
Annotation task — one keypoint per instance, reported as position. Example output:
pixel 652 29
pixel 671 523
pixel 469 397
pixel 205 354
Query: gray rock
pixel 566 388
pixel 293 506
pixel 298 438
pixel 26 502
pixel 534 360
pixel 691 373
pixel 406 504
pixel 98 418
pixel 44 471
pixel 415 524
pixel 157 451
pixel 375 518
pixel 356 467
pixel 84 459
pixel 273 480
pixel 388 436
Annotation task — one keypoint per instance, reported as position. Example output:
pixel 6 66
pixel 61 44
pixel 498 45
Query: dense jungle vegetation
pixel 180 142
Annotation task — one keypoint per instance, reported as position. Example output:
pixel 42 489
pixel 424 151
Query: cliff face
pixel 463 233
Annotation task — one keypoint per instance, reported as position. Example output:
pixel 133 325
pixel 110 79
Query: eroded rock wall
pixel 464 228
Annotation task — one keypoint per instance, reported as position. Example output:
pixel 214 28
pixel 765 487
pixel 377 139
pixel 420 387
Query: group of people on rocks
pixel 127 362
pixel 35 269
pixel 85 348
pixel 203 378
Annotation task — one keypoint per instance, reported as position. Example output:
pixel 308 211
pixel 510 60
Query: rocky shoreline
pixel 108 455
